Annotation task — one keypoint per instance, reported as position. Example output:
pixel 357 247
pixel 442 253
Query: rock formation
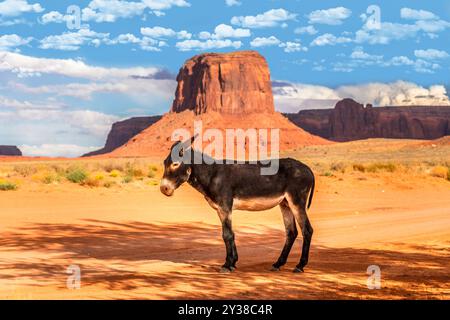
pixel 231 90
pixel 231 83
pixel 10 151
pixel 123 131
pixel 350 120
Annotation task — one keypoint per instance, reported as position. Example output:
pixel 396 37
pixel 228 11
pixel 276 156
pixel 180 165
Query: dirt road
pixel 134 242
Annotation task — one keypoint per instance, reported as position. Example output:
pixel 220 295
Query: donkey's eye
pixel 175 165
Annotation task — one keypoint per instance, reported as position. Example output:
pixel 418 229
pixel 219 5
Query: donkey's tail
pixel 311 192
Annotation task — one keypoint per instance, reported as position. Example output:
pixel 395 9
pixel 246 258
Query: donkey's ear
pixel 190 141
pixel 193 138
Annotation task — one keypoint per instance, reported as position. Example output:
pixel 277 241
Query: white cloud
pixel 145 43
pixel 423 66
pixel 89 121
pixel 401 61
pixel 55 17
pixel 24 65
pixel 386 33
pixel 265 42
pixel 8 23
pixel 70 41
pixel 126 38
pixel 360 58
pixel 329 39
pixel 290 47
pixel 412 14
pixel 225 31
pixel 396 94
pixel 9 41
pixel 359 54
pixel 271 18
pixel 431 54
pixel 292 97
pixel 188 45
pixel 55 150
pixel 432 26
pixel 333 16
pixel 157 88
pixel 111 10
pixel 163 33
pixel 13 8
pixel 231 3
pixel 424 21
pixel 306 30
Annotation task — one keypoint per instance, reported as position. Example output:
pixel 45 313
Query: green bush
pixel 5 186
pixel 127 179
pixel 76 175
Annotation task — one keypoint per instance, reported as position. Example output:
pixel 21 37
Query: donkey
pixel 240 186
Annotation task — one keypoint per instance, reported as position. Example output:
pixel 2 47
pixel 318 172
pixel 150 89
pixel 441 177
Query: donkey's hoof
pixel 298 270
pixel 226 269
pixel 275 268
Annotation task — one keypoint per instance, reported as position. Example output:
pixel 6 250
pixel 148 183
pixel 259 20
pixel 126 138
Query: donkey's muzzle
pixel 166 187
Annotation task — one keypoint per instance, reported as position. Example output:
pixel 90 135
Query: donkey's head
pixel 177 166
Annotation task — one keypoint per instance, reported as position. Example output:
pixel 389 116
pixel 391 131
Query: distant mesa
pixel 123 131
pixel 350 120
pixel 229 90
pixel 10 151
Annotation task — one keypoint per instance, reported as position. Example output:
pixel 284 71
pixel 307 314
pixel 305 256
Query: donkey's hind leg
pixel 291 235
pixel 297 203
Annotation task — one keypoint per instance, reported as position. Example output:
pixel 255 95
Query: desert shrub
pixel 6 186
pixel 60 170
pixel 112 166
pixel 135 172
pixel 440 172
pixel 76 175
pixel 337 166
pixel 25 170
pixel 109 184
pixel 153 182
pixel 127 179
pixel 376 167
pixel 359 167
pixel 327 174
pixel 98 176
pixel 151 174
pixel 50 177
pixel 114 173
pixel 91 182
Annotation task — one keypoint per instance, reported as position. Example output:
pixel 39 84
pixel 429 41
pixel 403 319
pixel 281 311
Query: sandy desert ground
pixel 131 242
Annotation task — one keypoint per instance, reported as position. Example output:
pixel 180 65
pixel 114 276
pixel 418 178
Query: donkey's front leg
pixel 228 237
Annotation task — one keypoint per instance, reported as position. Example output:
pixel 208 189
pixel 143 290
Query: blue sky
pixel 63 83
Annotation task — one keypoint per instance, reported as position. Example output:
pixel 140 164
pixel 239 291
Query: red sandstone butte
pixel 224 91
